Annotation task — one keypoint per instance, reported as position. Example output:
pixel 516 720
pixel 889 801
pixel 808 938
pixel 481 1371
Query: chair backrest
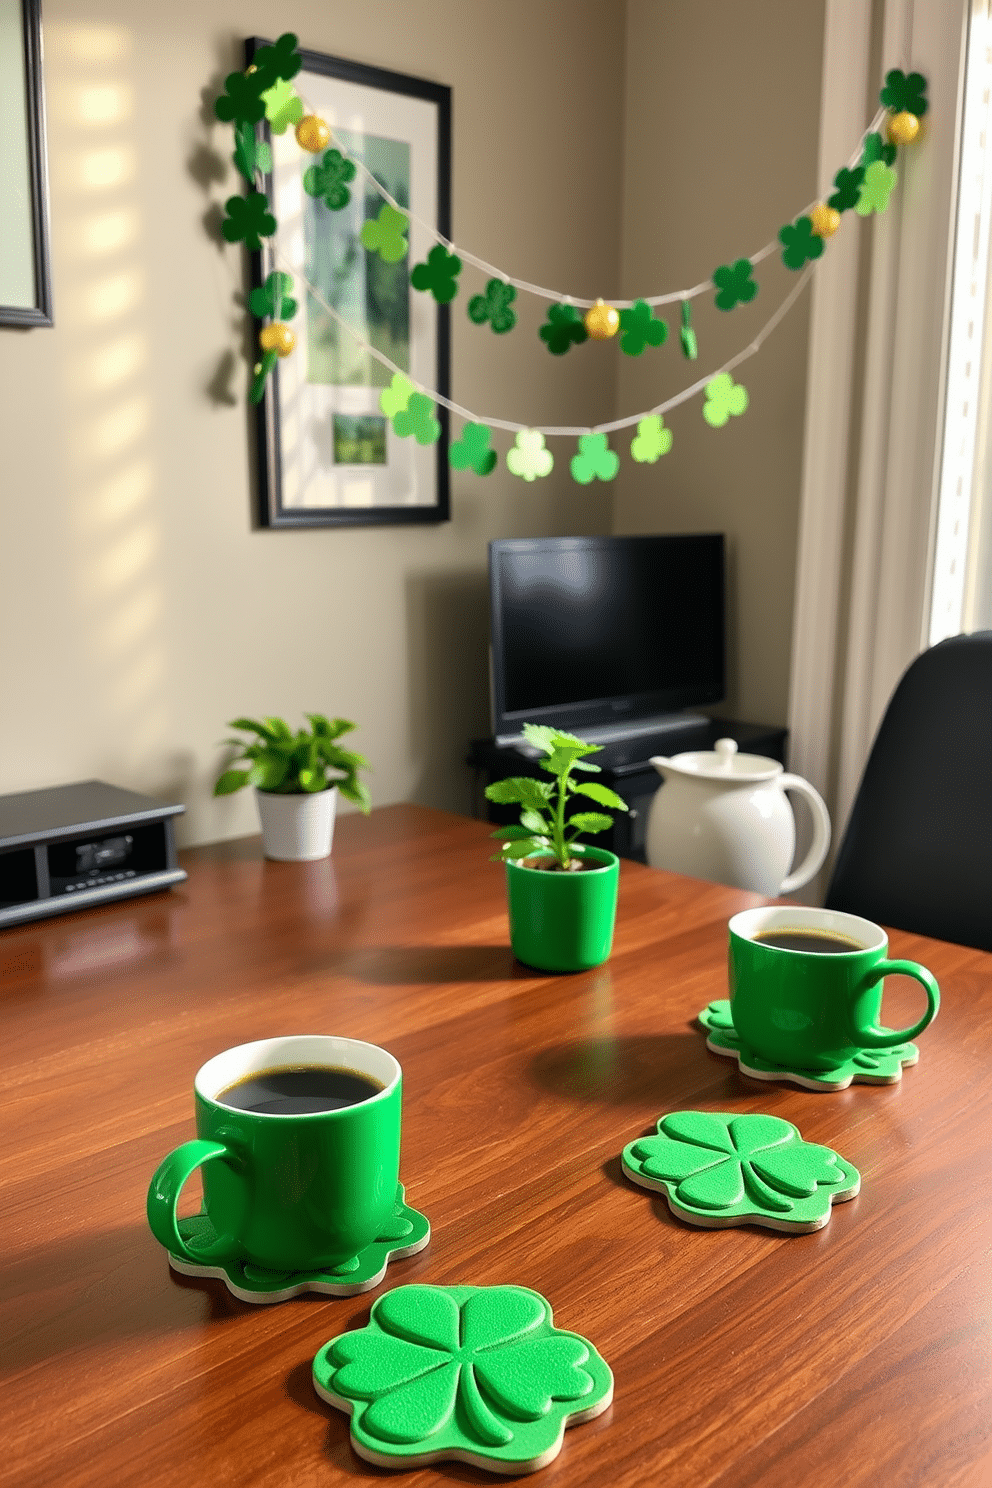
pixel 917 852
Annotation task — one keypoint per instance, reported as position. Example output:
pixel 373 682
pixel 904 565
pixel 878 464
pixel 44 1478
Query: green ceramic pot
pixel 563 921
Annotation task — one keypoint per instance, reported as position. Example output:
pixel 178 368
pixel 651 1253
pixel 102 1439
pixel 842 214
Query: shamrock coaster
pixel 405 1234
pixel 718 1169
pixel 868 1067
pixel 473 1374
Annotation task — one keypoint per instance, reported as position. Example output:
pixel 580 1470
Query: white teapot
pixel 724 816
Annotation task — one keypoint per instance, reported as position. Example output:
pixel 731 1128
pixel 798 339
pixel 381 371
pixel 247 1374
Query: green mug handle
pixel 875 1038
pixel 163 1196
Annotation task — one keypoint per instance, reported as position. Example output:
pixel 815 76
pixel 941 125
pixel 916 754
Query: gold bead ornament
pixel 824 220
pixel 312 134
pixel 602 321
pixel 903 128
pixel 278 338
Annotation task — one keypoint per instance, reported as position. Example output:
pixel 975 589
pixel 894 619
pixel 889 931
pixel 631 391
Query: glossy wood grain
pixel 856 1355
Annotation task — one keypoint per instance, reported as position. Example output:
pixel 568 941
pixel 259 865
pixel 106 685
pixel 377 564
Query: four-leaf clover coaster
pixel 473 1374
pixel 719 1169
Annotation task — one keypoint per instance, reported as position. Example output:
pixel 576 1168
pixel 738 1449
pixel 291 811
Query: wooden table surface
pixel 856 1355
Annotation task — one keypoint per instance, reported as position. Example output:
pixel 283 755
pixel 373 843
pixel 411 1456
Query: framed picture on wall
pixel 25 266
pixel 327 454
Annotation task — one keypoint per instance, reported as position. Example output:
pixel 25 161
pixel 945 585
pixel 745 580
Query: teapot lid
pixel 724 763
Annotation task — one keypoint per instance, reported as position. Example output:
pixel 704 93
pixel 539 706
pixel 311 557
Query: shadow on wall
pixel 448 667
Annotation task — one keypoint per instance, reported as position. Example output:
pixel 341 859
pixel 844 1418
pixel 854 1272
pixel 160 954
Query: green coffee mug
pixel 300 1192
pixel 815 1010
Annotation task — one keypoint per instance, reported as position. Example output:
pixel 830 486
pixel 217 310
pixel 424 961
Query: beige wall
pixel 140 608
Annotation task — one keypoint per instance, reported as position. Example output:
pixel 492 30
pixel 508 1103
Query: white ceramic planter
pixel 297 829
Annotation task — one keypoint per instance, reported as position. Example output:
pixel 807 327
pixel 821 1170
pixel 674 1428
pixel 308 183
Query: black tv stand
pixel 626 767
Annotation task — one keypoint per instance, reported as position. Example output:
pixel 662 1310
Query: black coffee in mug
pixel 299 1091
pixel 820 942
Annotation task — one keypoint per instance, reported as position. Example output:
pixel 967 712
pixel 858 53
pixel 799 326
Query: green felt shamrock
pixel 719 1168
pixel 384 234
pixel 876 190
pixel 494 306
pixel 848 183
pixel 595 460
pixel 528 458
pixel 439 274
pixel 417 418
pixel 724 397
pixel 283 107
pixel 248 219
pixel 800 243
pixel 875 148
pixel 479 1373
pixel 280 59
pixel 242 101
pixel 394 399
pixel 690 347
pixel 652 440
pixel 639 328
pixel 904 94
pixel 734 283
pixel 472 451
pixel 250 153
pixel 273 298
pixel 563 329
pixel 329 179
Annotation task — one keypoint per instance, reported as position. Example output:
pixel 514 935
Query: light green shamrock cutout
pixel 384 234
pixel 417 418
pixel 876 189
pixel 652 440
pixel 478 1373
pixel 472 451
pixel 528 458
pixel 723 398
pixel 595 460
pixel 719 1169
pixel 394 399
pixel 282 106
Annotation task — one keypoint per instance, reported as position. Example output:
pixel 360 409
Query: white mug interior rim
pixel 869 936
pixel 293 1051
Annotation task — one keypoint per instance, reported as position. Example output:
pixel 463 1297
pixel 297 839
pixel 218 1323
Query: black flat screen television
pixel 605 634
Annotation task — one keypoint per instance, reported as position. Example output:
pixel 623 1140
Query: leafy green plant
pixel 543 825
pixel 289 764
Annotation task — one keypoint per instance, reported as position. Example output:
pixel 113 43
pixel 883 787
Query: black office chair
pixel 917 852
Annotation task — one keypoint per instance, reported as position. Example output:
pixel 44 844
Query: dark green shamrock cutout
pixel 595 460
pixel 472 451
pixel 639 328
pixel 417 418
pixel 904 95
pixel 721 1169
pixel 273 299
pixel 384 234
pixel 439 274
pixel 250 153
pixel 494 306
pixel 563 329
pixel 734 283
pixel 480 1374
pixel 690 347
pixel 848 183
pixel 278 60
pixel 261 371
pixel 283 106
pixel 329 180
pixel 875 148
pixel 243 99
pixel 248 219
pixel 800 243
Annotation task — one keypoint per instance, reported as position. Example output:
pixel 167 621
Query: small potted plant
pixel 296 778
pixel 561 893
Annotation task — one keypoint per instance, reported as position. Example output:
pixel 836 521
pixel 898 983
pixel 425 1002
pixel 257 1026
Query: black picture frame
pixel 301 412
pixel 24 237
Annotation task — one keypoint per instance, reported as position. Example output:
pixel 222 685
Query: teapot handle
pixel 820 845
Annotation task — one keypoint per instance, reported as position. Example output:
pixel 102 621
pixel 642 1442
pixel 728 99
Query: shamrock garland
pixel 494 307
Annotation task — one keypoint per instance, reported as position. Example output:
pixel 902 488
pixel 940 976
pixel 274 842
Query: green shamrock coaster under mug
pixel 406 1232
pixel 473 1374
pixel 867 1067
pixel 717 1169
